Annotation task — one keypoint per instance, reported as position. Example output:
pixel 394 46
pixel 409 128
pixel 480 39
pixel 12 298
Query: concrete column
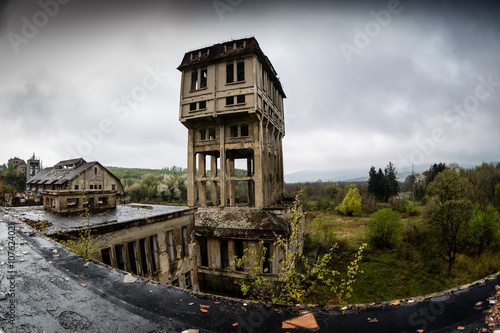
pixel 191 174
pixel 213 173
pixel 258 150
pixel 250 187
pixel 222 175
pixel 231 183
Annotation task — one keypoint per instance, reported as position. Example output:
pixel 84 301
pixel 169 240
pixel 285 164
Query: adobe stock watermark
pixel 31 26
pixel 225 6
pixel 372 29
pixel 122 107
pixel 453 117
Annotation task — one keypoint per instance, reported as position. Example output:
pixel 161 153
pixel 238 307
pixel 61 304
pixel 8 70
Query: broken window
pixel 230 100
pixel 120 257
pixel 202 105
pixel 267 258
pixel 194 55
pixel 211 133
pixel 175 283
pixel 203 78
pixel 91 187
pixel 73 202
pixel 240 99
pixel 192 106
pixel 170 244
pixel 143 249
pixel 100 187
pixel 154 252
pixel 229 47
pixel 194 79
pixel 76 187
pixel 230 71
pixel 204 52
pixel 187 280
pixel 244 130
pixel 102 201
pixel 113 187
pixel 106 256
pixel 224 255
pixel 240 45
pixel 240 70
pixel 132 257
pixel 238 249
pixel 203 134
pixel 185 250
pixel 233 131
pixel 204 252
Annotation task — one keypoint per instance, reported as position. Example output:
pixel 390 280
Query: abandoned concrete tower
pixel 232 104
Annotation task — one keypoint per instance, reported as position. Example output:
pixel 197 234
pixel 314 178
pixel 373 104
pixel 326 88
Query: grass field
pixel 398 273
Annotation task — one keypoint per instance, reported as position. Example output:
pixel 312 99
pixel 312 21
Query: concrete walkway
pixel 55 291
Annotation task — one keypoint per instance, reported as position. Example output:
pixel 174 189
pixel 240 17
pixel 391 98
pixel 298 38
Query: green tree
pixel 481 229
pixel 376 184
pixel 391 184
pixel 351 204
pixel 433 171
pixel 447 214
pixel 383 228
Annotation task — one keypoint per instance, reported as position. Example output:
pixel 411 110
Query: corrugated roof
pixel 59 176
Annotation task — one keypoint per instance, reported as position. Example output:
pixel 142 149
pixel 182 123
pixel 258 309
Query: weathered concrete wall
pixel 167 271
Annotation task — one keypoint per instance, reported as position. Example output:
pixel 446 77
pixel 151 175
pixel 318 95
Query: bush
pixel 383 228
pixel 351 204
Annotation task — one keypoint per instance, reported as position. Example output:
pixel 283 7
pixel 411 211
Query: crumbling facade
pixel 232 104
pixel 18 164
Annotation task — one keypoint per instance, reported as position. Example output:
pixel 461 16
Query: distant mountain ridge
pixel 353 175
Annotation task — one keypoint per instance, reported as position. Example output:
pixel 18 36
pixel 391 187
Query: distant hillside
pixel 353 175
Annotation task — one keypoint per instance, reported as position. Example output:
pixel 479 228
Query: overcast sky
pixel 405 81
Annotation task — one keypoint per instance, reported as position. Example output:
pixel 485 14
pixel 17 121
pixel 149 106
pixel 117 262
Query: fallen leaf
pixel 235 324
pixel 478 303
pixel 374 320
pixel 203 306
pixel 460 328
pixel 56 255
pixel 83 284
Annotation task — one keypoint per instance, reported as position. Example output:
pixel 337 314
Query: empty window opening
pixel 229 71
pixel 194 79
pixel 203 77
pixel 154 252
pixel 91 187
pixel 95 171
pixel 211 133
pixel 240 99
pixel 175 283
pixel 233 131
pixel 202 105
pixel 239 251
pixel 244 130
pixel 267 258
pixel 132 257
pixel 144 255
pixel 204 252
pixel 229 47
pixel 106 256
pixel 230 100
pixel 170 243
pixel 103 201
pixel 72 202
pixel 192 106
pixel 240 45
pixel 194 55
pixel 204 52
pixel 224 255
pixel 76 187
pixel 240 70
pixel 113 187
pixel 120 257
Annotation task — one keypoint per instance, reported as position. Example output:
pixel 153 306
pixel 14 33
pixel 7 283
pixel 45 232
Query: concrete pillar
pixel 191 163
pixel 213 173
pixel 231 183
pixel 202 185
pixel 222 175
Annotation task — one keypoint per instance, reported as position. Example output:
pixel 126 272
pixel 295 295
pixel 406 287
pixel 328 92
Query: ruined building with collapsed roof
pixel 231 102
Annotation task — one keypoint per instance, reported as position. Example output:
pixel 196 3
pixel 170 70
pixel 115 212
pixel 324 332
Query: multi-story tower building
pixel 232 104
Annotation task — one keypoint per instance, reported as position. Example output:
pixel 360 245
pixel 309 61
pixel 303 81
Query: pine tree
pixel 391 184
